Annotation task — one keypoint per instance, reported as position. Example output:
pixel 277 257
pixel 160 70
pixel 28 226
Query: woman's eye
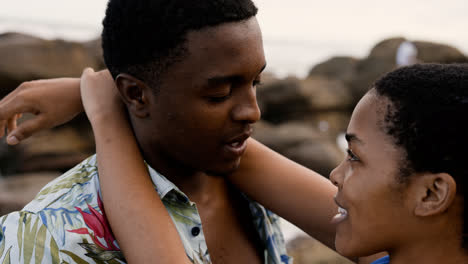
pixel 257 83
pixel 352 156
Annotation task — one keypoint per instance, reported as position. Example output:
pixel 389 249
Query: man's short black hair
pixel 428 118
pixel 144 37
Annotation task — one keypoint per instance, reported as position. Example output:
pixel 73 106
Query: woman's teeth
pixel 342 211
pixel 235 144
pixel 340 216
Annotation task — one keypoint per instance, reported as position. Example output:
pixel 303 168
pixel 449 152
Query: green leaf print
pixel 2 247
pixel 6 260
pixel 78 175
pixel 19 235
pixel 54 251
pixel 40 240
pixel 29 239
pixel 73 256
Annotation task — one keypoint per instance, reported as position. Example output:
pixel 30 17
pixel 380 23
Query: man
pixel 187 74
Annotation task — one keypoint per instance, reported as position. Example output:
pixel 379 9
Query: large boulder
pixel 325 94
pixel 437 52
pixel 282 100
pixel 338 68
pixel 301 143
pixel 382 59
pixel 57 149
pixel 27 58
pixel 329 123
pixel 16 191
pixel 295 99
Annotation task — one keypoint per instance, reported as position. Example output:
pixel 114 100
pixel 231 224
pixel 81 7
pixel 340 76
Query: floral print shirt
pixel 66 223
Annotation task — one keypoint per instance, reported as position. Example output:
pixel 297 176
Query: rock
pixel 321 156
pixel 294 99
pixel 268 78
pixel 26 58
pixel 326 94
pixel 9 161
pixel 382 60
pixel 282 100
pixel 57 149
pixel 437 52
pixel 329 123
pixel 18 190
pixel 301 143
pixel 338 68
pixel 284 136
pixel 94 49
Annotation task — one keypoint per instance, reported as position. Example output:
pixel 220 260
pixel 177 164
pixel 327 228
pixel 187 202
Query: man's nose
pixel 247 109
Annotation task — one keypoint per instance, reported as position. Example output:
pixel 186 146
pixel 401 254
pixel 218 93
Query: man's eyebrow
pixel 353 138
pixel 217 80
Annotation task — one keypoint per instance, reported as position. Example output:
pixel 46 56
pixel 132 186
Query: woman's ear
pixel 435 193
pixel 135 94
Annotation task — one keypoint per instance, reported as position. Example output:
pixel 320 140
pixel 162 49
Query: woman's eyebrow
pixel 353 138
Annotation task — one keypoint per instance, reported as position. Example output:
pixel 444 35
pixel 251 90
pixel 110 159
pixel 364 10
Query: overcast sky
pixel 321 28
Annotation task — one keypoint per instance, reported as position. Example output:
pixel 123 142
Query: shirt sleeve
pixel 25 239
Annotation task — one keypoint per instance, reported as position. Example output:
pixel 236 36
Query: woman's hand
pixel 100 97
pixel 53 102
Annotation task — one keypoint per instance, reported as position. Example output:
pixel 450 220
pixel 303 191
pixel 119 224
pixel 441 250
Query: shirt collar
pixel 165 187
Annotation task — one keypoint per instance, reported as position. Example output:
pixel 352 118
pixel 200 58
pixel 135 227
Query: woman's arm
pixel 137 216
pixel 53 102
pixel 298 194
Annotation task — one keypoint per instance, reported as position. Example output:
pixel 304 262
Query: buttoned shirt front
pixel 66 223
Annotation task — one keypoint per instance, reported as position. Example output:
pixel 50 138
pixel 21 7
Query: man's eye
pixel 218 99
pixel 352 156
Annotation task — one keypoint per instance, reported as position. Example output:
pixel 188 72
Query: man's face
pixel 202 114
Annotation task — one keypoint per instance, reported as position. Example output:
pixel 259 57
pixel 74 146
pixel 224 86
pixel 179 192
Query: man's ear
pixel 134 93
pixel 435 193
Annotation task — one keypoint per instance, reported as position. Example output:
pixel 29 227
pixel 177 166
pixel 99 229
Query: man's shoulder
pixel 68 190
pixel 68 213
pixel 62 204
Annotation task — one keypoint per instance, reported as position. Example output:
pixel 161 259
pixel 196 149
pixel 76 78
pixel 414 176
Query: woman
pixel 400 189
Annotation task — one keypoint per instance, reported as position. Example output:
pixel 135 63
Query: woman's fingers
pixel 2 128
pixel 11 124
pixel 11 108
pixel 25 130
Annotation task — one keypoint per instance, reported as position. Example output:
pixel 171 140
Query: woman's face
pixel 373 216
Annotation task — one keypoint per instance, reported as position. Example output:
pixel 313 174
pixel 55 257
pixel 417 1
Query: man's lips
pixel 240 138
pixel 342 213
pixel 238 144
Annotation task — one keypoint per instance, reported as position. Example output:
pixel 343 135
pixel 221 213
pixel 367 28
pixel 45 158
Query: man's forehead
pixel 226 32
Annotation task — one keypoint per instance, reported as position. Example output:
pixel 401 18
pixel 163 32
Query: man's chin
pixel 223 171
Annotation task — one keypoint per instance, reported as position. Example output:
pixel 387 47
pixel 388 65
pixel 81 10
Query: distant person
pixel 407 54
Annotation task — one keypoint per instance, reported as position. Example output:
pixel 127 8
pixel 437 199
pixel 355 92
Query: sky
pixel 297 33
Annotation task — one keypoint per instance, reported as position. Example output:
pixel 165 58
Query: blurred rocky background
pixel 302 118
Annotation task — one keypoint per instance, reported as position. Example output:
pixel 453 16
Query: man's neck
pixel 190 181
